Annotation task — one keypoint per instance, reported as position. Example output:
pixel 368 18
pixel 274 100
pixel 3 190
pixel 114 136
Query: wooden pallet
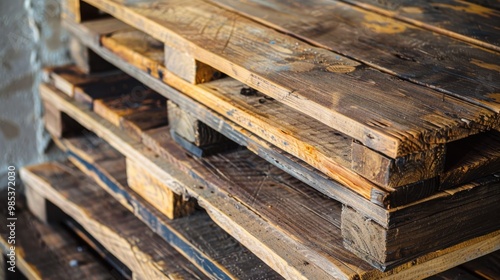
pixel 389 182
pixel 48 252
pixel 148 255
pixel 405 221
pixel 388 123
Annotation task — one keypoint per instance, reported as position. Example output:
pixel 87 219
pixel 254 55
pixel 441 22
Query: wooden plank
pixel 473 157
pixel 44 252
pixel 388 123
pixel 476 24
pixel 270 244
pixel 453 67
pixel 87 60
pixel 113 226
pixel 197 237
pixel 399 172
pixel 388 247
pixel 487 267
pixel 454 273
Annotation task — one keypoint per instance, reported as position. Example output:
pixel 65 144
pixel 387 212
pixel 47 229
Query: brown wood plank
pixel 463 20
pixel 391 119
pixel 451 66
pixel 115 228
pixel 487 267
pixel 45 252
pixel 385 248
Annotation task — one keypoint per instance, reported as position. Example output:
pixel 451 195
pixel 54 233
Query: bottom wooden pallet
pixel 47 252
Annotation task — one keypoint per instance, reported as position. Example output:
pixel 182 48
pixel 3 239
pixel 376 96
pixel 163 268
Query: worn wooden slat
pixel 58 123
pixel 271 249
pixel 451 66
pixel 487 267
pixel 385 248
pixel 113 226
pixel 44 252
pixel 463 20
pixel 391 120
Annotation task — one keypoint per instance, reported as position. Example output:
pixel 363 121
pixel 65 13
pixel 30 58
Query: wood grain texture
pixel 290 130
pixel 148 72
pixel 156 193
pixel 123 235
pixel 392 120
pixel 197 237
pixel 271 244
pixel 451 66
pixel 192 129
pixel 397 172
pixel 476 24
pixel 139 50
pixel 388 248
pixel 487 267
pixel 188 68
pixel 45 252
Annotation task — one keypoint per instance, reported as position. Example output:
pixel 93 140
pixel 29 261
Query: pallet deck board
pixel 430 59
pixel 476 24
pixel 399 127
pixel 115 228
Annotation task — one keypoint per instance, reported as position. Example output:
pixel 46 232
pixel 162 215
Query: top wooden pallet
pixel 392 116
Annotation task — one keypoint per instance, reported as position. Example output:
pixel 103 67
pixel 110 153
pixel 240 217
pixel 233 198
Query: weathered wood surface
pixel 391 118
pixel 487 267
pixel 44 252
pixel 149 71
pixel 294 132
pixel 113 226
pixel 197 237
pixel 217 183
pixel 387 247
pixel 463 20
pixel 451 66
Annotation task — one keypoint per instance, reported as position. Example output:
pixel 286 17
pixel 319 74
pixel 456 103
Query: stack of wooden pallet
pixel 332 139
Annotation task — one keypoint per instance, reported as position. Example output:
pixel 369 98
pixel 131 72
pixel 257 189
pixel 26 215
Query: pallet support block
pixel 193 135
pixel 87 60
pixel 401 171
pixel 80 11
pixel 185 66
pixel 58 123
pixel 157 193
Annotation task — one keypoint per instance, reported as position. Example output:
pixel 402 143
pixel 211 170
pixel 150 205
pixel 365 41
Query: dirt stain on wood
pixel 382 24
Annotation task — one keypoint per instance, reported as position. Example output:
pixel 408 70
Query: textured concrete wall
pixel 31 39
